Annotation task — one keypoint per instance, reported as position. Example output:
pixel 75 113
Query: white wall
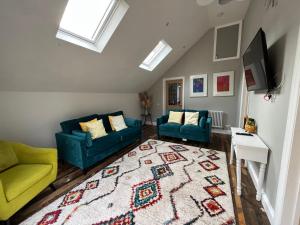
pixel 281 27
pixel 34 117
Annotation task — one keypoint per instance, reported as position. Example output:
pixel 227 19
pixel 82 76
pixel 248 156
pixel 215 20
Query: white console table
pixel 250 148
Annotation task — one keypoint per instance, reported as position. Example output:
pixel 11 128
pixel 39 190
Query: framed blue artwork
pixel 198 85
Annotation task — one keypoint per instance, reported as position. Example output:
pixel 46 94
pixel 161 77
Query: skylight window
pixel 91 23
pixel 161 50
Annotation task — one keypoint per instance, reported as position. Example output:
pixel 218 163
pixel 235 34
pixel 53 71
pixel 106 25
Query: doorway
pixel 173 94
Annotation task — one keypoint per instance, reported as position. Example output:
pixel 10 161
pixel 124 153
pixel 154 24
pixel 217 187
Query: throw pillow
pixel 203 122
pixel 96 129
pixel 191 118
pixel 83 125
pixel 117 123
pixel 8 157
pixel 175 117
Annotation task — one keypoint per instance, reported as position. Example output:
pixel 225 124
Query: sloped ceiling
pixel 32 59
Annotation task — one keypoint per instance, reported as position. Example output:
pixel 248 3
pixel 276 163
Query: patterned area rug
pixel 156 183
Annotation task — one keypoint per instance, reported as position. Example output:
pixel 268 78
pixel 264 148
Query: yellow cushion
pixel 18 179
pixel 117 123
pixel 175 117
pixel 8 157
pixel 191 118
pixel 96 129
pixel 83 125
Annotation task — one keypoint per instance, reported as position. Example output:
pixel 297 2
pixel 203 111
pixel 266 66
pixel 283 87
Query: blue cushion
pixel 192 129
pixel 202 122
pixel 70 125
pixel 203 113
pixel 129 133
pixel 104 143
pixel 170 127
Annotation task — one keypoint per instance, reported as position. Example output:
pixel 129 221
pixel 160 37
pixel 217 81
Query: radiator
pixel 217 118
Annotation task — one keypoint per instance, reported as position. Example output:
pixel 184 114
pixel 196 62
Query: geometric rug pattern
pixel 156 183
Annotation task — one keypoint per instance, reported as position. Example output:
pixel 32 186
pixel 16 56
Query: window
pixel 91 23
pixel 161 50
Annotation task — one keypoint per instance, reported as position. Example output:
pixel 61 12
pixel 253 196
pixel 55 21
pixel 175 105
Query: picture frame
pixel 223 83
pixel 198 85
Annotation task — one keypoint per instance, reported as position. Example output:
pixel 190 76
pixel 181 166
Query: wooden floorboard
pixel 247 210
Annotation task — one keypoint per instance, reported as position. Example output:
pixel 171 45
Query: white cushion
pixel 96 129
pixel 175 117
pixel 117 123
pixel 191 118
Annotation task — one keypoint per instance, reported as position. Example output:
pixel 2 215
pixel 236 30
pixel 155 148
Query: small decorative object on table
pixel 250 125
pixel 146 103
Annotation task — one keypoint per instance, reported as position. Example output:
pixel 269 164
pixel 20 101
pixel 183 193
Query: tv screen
pixel 256 65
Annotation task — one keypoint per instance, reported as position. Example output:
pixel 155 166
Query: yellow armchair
pixel 32 171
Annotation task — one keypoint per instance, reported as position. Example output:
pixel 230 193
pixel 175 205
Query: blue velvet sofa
pixel 200 132
pixel 78 148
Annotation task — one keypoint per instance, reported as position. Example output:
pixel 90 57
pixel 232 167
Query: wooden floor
pixel 247 209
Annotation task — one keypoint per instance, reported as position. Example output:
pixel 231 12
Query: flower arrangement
pixel 146 102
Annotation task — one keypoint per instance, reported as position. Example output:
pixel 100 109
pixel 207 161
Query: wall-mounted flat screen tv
pixel 258 73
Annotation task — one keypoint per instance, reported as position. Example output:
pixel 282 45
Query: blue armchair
pixel 78 148
pixel 201 132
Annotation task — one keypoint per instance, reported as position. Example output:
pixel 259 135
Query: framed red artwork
pixel 223 84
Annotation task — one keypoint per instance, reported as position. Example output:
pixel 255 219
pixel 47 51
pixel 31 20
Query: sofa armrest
pixel 27 154
pixel 86 135
pixel 209 123
pixel 71 147
pixel 130 122
pixel 162 120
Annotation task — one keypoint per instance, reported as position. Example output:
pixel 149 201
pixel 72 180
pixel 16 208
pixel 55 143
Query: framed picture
pixel 223 84
pixel 198 85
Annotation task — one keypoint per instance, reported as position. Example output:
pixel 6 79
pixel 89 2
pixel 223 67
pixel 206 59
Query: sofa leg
pixel 53 188
pixel 84 171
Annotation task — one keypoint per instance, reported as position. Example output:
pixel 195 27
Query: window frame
pixel 105 29
pixel 157 57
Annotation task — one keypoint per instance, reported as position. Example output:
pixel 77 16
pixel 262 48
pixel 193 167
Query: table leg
pixel 261 176
pixel 238 177
pixel 231 153
pixel 151 120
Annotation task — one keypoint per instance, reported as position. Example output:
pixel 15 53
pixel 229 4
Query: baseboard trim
pixel 264 200
pixel 220 131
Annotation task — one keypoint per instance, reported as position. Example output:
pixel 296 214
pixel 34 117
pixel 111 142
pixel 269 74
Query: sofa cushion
pixel 202 122
pixel 103 143
pixel 117 123
pixel 105 119
pixel 70 125
pixel 191 118
pixel 175 117
pixel 192 129
pixel 170 127
pixel 8 157
pixel 129 133
pixel 203 113
pixel 84 125
pixel 96 129
pixel 20 178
